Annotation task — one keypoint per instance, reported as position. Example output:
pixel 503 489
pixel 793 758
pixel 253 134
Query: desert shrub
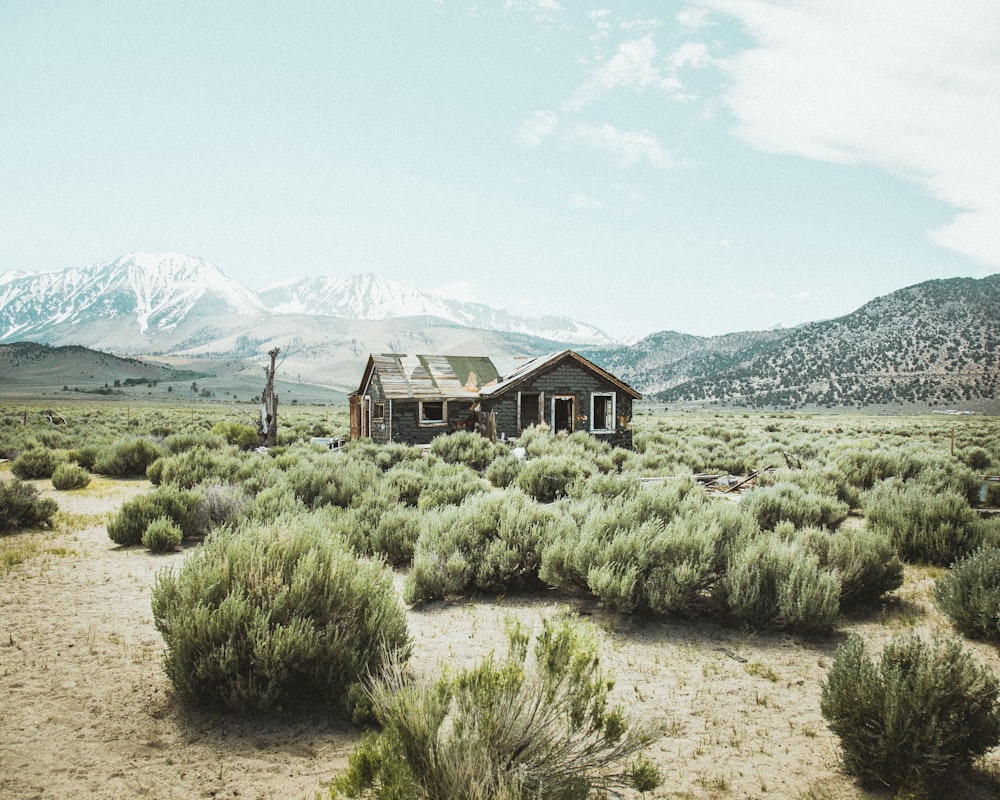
pixel 516 727
pixel 789 502
pixel 408 479
pixel 188 440
pixel 70 476
pixel 547 478
pixel 331 479
pixel 162 535
pixel 126 459
pixel 606 485
pixel 969 593
pixel 270 615
pixel 21 507
pixel 770 583
pixel 226 504
pixel 865 562
pixel 464 447
pixel 38 462
pixel 184 507
pixel 449 484
pixel 492 542
pixel 197 465
pixel 86 455
pixel 992 494
pixel 864 467
pixel 977 458
pixel 154 472
pixel 924 710
pixel 379 525
pixel 238 434
pixel 930 527
pixel 503 470
pixel 274 502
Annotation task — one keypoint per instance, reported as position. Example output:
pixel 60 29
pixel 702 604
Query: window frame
pixel 431 422
pixel 611 409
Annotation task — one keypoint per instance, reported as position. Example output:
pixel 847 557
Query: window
pixel 602 415
pixel 432 413
pixel 378 411
pixel 529 410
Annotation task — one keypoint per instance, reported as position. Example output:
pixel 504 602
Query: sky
pixel 706 167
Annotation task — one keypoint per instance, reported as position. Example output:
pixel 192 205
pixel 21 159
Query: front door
pixel 564 413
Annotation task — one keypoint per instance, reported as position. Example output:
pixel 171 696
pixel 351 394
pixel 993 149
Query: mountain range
pixel 932 344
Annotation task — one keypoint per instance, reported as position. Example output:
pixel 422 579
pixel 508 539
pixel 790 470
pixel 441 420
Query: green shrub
pixel 503 470
pixel 36 463
pixel 924 710
pixel 87 455
pixel 492 542
pixel 929 527
pixel 547 478
pixel 162 535
pixel 154 472
pixel 186 508
pixel 517 728
pixel 464 447
pixel 126 459
pixel 239 434
pixel 449 484
pixel 21 507
pixel 993 494
pixel 408 480
pixel 789 502
pixel 197 465
pixel 331 479
pixel 977 458
pixel 864 560
pixel 775 584
pixel 181 442
pixel 70 476
pixel 271 615
pixel 969 593
pixel 379 525
pixel 226 504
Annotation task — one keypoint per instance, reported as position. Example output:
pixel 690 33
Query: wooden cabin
pixel 412 399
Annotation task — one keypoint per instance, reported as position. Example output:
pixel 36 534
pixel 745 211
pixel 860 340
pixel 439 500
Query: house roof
pixel 426 377
pixel 535 365
pixel 430 377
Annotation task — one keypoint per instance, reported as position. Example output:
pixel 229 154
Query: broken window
pixel 564 413
pixel 432 412
pixel 529 411
pixel 378 411
pixel 602 414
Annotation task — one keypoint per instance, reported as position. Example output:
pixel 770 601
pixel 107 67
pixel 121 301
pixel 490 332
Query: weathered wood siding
pixel 565 378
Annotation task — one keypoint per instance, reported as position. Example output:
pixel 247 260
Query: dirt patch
pixel 88 712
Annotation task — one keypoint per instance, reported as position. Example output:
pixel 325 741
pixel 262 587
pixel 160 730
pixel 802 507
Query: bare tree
pixel 267 427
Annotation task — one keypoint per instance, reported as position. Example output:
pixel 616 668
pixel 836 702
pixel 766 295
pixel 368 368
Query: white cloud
pixel 693 18
pixel 583 201
pixel 912 88
pixel 632 66
pixel 537 127
pixel 628 147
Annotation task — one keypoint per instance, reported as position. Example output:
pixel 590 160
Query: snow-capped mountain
pixel 371 297
pixel 147 293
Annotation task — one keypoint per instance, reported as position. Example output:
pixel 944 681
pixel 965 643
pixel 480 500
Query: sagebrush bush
pixel 270 615
pixel 36 463
pixel 21 507
pixel 239 434
pixel 547 478
pixel 180 442
pixel 865 562
pixel 197 465
pixel 449 485
pixel 408 479
pixel 162 535
pixel 184 507
pixel 503 470
pixel 330 479
pixel 464 447
pixel 126 459
pixel 788 502
pixel 924 710
pixel 226 504
pixel 492 542
pixel 923 526
pixel 771 583
pixel 977 458
pixel 70 476
pixel 969 593
pixel 538 727
pixel 379 525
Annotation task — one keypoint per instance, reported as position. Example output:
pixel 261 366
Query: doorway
pixel 564 413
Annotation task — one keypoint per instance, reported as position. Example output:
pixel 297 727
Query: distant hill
pixel 933 344
pixel 30 365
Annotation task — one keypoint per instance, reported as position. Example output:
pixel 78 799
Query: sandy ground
pixel 87 711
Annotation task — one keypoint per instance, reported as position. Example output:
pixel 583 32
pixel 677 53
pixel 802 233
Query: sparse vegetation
pixel 22 507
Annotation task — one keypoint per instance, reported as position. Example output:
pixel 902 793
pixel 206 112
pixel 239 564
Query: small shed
pixel 412 399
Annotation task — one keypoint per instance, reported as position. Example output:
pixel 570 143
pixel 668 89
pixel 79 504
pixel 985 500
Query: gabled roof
pixel 424 377
pixel 535 365
pixel 405 377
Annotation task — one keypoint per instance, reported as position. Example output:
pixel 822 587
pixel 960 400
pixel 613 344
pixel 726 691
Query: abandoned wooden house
pixel 412 399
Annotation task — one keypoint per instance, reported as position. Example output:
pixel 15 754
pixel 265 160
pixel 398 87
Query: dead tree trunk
pixel 267 429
